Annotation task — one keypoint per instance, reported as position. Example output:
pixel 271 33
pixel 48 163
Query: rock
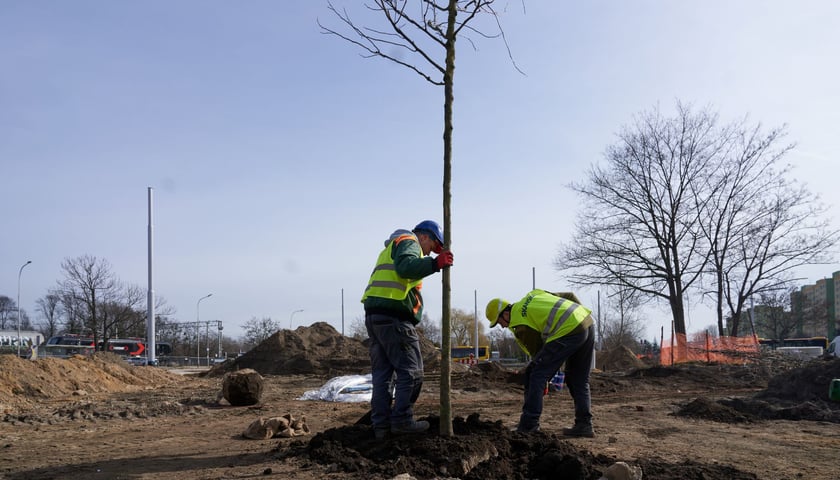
pixel 243 387
pixel 622 471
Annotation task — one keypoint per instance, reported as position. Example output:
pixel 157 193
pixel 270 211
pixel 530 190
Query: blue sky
pixel 281 159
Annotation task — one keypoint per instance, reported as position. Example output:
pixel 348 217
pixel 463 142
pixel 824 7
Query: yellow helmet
pixel 494 308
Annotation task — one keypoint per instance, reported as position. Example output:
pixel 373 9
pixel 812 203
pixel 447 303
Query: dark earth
pixel 496 452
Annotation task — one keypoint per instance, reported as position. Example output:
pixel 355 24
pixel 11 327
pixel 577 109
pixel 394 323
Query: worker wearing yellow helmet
pixel 552 328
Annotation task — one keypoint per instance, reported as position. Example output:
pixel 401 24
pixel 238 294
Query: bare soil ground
pixel 99 417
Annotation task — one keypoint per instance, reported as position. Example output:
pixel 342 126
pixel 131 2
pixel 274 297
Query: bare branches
pixel 372 41
pixel 417 35
pixel 684 198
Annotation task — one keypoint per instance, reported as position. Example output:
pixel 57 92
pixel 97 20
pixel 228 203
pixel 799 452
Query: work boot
pixel 380 434
pixel 580 430
pixel 419 426
pixel 521 429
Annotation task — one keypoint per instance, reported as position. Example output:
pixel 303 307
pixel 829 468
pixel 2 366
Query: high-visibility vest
pixel 384 281
pixel 552 316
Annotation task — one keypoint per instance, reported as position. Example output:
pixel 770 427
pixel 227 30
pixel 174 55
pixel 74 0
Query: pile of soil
pixel 314 350
pixel 25 383
pixel 317 349
pixel 620 358
pixel 478 450
pixel 798 394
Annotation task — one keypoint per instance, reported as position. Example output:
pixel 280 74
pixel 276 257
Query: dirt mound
pixel 619 358
pixel 24 383
pixel 494 372
pixel 704 376
pixel 314 350
pixel 799 394
pixel 317 349
pixel 807 383
pixel 707 409
pixel 479 450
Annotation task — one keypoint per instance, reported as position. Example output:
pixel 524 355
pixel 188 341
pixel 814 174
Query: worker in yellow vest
pixel 552 328
pixel 393 307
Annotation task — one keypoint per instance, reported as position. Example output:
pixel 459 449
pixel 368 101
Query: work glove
pixel 445 259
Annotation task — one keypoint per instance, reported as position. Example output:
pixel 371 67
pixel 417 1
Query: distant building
pixel 28 338
pixel 815 307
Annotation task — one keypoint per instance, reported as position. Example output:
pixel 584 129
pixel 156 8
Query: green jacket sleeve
pixel 529 339
pixel 409 261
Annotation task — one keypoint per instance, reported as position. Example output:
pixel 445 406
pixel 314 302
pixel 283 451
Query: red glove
pixel 444 259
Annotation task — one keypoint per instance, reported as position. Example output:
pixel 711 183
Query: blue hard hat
pixel 432 227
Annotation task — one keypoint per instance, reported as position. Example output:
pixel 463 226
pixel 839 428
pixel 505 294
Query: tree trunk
pixel 446 341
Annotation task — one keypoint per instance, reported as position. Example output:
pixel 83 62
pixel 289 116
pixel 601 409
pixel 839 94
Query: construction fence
pixel 708 349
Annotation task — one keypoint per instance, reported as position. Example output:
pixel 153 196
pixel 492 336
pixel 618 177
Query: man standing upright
pixel 393 307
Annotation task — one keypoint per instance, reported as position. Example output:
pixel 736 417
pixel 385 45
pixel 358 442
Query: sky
pixel 280 158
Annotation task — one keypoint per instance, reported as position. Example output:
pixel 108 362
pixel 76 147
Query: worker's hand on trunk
pixel 445 259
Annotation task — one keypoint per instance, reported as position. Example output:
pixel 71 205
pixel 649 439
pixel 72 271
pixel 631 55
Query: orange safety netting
pixel 709 349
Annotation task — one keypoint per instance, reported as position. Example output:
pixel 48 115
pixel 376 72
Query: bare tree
pixel 759 224
pixel 9 315
pixel 640 226
pixel 684 197
pixel 49 307
pixel 74 313
pixel 772 319
pixel 125 314
pixel 358 330
pixel 425 30
pixel 430 329
pixel 89 282
pixel 257 330
pixel 463 329
pixel 621 324
pixel 8 312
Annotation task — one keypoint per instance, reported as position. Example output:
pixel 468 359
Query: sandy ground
pixel 101 418
pixel 154 423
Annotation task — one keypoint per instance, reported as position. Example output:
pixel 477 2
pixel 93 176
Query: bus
pixel 136 347
pixel 127 347
pixel 461 353
pixel 69 344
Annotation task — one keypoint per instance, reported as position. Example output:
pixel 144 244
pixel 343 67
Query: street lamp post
pixel 18 305
pixel 219 324
pixel 197 329
pixel 293 316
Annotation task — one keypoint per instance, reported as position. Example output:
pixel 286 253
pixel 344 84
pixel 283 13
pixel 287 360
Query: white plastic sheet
pixel 348 388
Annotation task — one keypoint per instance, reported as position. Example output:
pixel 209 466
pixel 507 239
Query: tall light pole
pixel 198 330
pixel 293 316
pixel 219 324
pixel 18 304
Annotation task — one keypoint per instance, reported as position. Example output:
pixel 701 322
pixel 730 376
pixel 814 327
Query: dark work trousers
pixel 394 353
pixel 577 351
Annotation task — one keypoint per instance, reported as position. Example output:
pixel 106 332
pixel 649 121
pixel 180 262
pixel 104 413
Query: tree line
pixel 90 300
pixel 688 207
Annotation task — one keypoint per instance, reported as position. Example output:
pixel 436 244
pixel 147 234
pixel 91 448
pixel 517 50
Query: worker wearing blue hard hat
pixel 393 307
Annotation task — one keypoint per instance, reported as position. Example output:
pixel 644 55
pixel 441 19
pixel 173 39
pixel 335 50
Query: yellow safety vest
pixel 384 281
pixel 549 314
